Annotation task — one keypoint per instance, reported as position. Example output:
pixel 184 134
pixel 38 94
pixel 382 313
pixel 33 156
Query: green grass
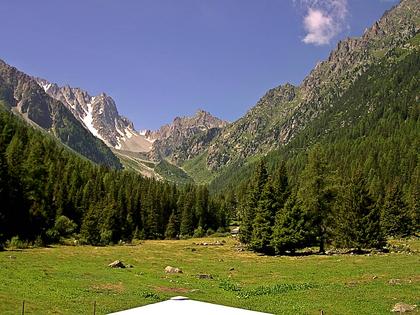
pixel 67 280
pixel 172 173
pixel 197 169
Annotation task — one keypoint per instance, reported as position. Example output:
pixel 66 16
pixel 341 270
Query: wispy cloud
pixel 323 20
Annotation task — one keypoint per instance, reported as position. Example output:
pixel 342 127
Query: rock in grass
pixel 403 307
pixel 170 269
pixel 116 264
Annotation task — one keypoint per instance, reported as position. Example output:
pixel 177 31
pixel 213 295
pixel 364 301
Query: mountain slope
pixel 285 111
pixel 100 116
pixel 185 137
pixel 22 95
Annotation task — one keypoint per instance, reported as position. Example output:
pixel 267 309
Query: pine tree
pixel 90 230
pixel 187 216
pixel 315 194
pixel 395 215
pixel 281 185
pixel 263 221
pixel 255 189
pixel 172 229
pixel 290 229
pixel 359 218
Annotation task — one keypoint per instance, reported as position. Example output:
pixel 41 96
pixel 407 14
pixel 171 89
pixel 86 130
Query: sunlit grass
pixel 67 280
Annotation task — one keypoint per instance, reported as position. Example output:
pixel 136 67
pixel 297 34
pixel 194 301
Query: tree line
pixel 323 208
pixel 48 192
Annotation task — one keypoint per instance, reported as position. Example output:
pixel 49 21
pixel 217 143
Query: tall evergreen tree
pixel 264 221
pixel 290 229
pixel 359 219
pixel 396 219
pixel 315 194
pixel 255 189
pixel 172 229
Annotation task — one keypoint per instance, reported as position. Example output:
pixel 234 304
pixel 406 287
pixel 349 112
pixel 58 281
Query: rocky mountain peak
pixel 99 114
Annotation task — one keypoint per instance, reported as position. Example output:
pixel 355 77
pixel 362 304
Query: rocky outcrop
pixel 185 137
pixel 22 95
pixel 100 116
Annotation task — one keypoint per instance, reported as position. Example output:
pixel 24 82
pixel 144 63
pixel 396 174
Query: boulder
pixel 116 264
pixel 170 269
pixel 403 307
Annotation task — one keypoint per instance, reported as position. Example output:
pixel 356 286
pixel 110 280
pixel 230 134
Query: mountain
pixel 176 142
pixel 22 95
pixel 286 111
pixel 100 116
pixel 185 137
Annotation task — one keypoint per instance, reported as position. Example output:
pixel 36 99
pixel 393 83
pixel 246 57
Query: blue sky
pixel 164 58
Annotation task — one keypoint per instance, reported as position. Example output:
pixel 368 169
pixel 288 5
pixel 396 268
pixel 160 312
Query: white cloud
pixel 324 20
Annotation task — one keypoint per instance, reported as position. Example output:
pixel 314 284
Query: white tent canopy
pixel 184 306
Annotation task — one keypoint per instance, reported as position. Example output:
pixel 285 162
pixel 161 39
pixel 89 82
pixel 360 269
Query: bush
pixel 210 231
pixel 16 243
pixel 199 232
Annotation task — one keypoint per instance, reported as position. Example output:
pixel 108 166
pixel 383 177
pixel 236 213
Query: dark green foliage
pixel 290 231
pixel 315 195
pixel 358 217
pixel 264 220
pixel 255 189
pixel 48 193
pixel 172 230
pixel 396 219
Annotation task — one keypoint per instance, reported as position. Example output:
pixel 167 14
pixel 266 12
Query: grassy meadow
pixel 68 279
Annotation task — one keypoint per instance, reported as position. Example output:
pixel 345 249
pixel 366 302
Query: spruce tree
pixel 358 222
pixel 172 229
pixel 264 221
pixel 315 194
pixel 290 229
pixel 395 215
pixel 255 189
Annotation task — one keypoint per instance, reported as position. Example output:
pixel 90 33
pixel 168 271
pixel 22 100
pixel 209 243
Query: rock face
pixel 22 95
pixel 284 111
pixel 185 137
pixel 99 115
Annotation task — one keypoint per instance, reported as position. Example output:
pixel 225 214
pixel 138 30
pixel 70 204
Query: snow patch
pixel 88 121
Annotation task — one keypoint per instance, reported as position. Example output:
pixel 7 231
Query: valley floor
pixel 68 279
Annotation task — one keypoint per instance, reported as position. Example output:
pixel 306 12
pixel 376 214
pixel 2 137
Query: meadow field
pixel 69 279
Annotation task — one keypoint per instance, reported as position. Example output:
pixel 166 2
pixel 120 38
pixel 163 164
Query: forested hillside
pixel 48 192
pixel 352 177
pixel 21 94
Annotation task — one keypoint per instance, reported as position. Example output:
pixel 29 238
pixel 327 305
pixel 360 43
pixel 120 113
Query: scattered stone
pixel 129 266
pixel 375 277
pixel 170 269
pixel 395 281
pixel 117 264
pixel 12 257
pixel 403 307
pixel 216 243
pixel 204 276
pixel 231 269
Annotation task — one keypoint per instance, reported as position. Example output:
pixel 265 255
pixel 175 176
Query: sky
pixel 160 59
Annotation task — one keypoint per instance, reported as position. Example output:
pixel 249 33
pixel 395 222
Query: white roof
pixel 183 305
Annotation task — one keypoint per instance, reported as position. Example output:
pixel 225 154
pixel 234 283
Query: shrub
pixel 16 243
pixel 199 232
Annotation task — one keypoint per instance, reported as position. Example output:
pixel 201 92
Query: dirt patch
pixel 108 287
pixel 171 290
